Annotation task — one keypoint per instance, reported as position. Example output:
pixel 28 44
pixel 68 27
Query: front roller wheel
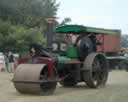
pixel 96 70
pixel 33 79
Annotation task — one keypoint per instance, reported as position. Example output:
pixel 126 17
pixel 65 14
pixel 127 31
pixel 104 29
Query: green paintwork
pixel 60 66
pixel 72 52
pixel 63 58
pixel 77 29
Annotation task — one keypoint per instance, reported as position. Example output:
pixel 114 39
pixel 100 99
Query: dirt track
pixel 116 90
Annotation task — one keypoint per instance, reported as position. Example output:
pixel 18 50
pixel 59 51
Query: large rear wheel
pixel 96 70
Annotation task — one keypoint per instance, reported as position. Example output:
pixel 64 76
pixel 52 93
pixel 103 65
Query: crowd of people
pixel 8 62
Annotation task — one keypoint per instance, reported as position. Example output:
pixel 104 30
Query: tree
pixel 124 40
pixel 24 21
pixel 65 21
pixel 18 38
pixel 31 13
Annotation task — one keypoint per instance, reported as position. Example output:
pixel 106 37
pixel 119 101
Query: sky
pixel 110 14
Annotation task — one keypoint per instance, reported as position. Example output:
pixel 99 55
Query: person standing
pixel 11 62
pixel 6 61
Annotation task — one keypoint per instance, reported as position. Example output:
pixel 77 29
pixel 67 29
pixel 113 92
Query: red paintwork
pixel 48 61
pixel 23 60
pixel 110 43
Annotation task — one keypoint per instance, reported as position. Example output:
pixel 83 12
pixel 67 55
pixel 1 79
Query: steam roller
pixel 67 63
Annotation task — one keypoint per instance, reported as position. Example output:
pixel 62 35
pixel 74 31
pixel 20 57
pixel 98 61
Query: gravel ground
pixel 116 90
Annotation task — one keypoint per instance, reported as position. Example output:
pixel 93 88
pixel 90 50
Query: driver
pixel 85 45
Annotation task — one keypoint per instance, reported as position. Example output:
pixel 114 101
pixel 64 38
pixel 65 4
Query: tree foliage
pixel 124 41
pixel 18 38
pixel 23 22
pixel 65 21
pixel 31 13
